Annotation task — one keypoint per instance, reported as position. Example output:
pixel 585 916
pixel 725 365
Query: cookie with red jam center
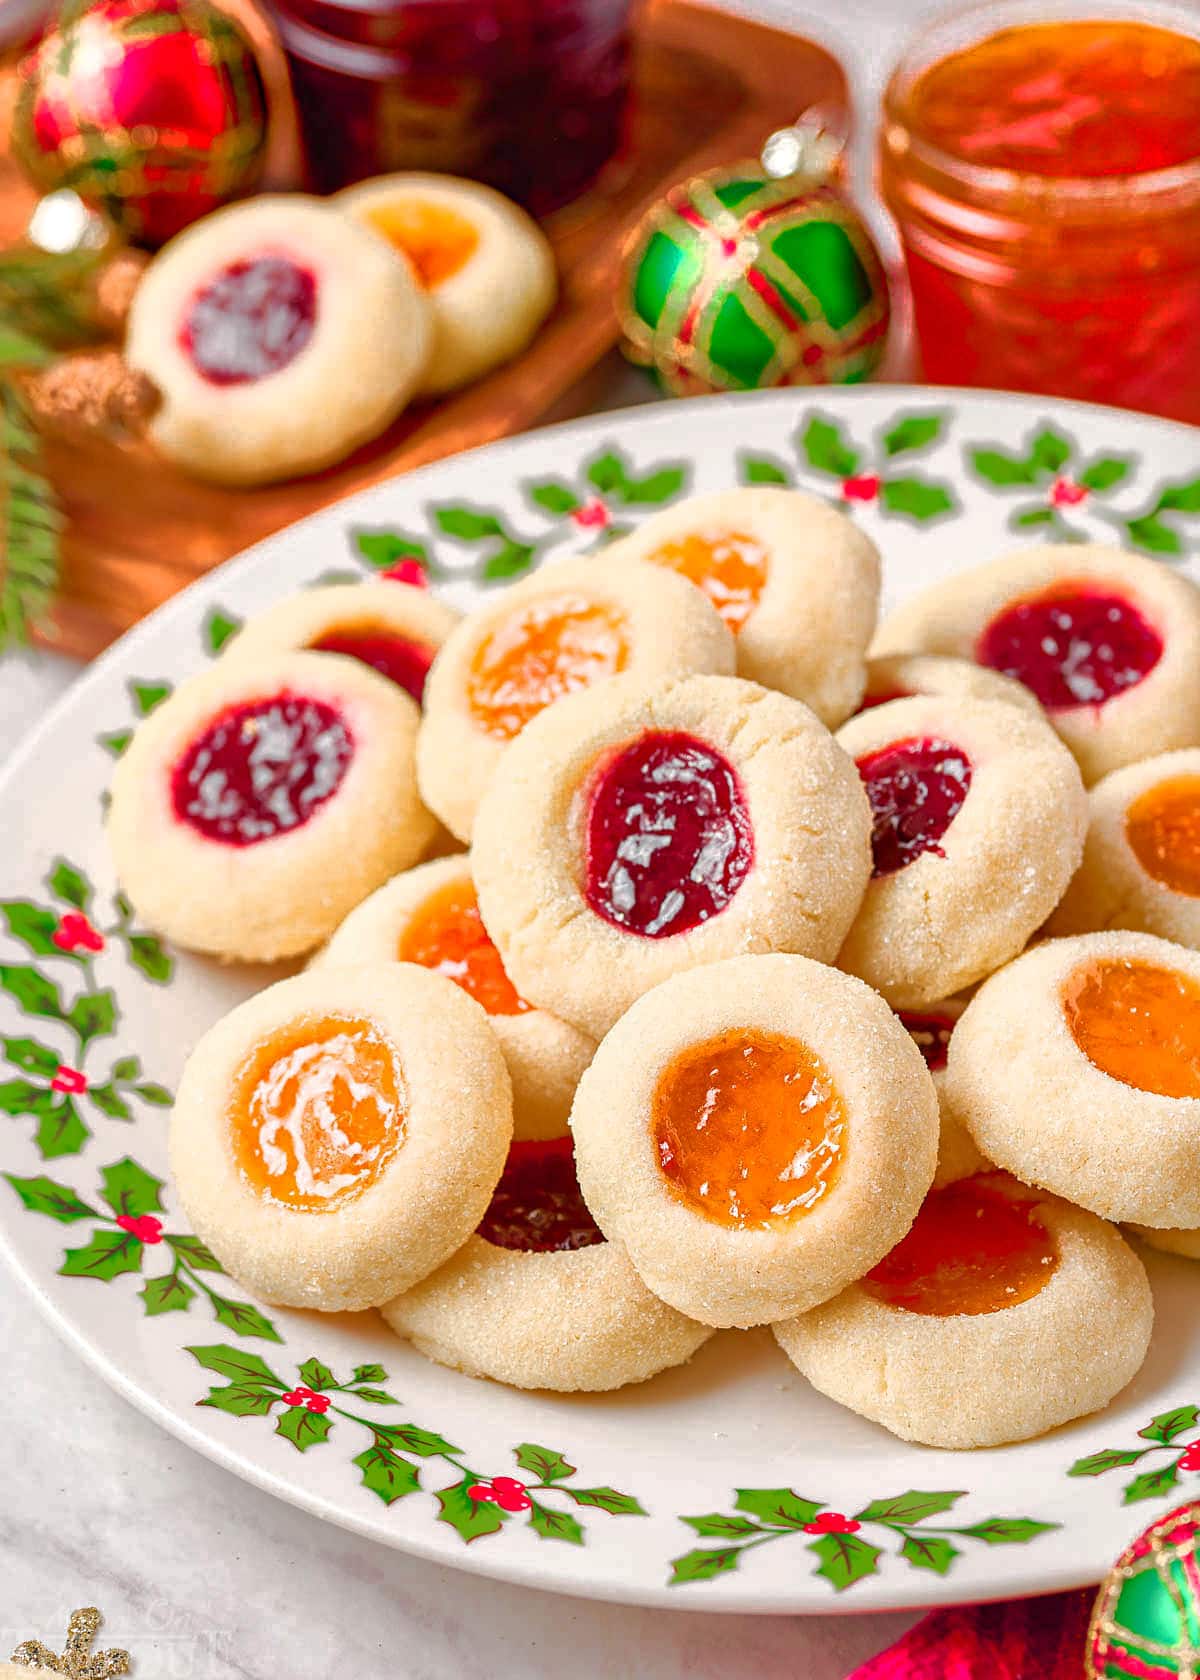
pixel 1002 1313
pixel 796 581
pixel 978 815
pixel 538 1298
pixel 758 1133
pixel 263 799
pixel 899 676
pixel 643 828
pixel 430 915
pixel 1107 641
pixel 338 1136
pixel 280 336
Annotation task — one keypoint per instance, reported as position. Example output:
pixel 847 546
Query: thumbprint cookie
pixel 429 915
pixel 1108 642
pixel 263 800
pixel 1141 858
pixel 339 1136
pixel 796 581
pixel 280 335
pixel 930 1030
pixel 483 263
pixel 642 828
pixel 564 629
pixel 758 1134
pixel 537 1298
pixel 1003 1313
pixel 1077 1068
pixel 898 676
pixel 392 627
pixel 979 816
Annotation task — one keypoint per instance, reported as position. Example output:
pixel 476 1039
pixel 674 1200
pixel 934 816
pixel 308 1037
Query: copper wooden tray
pixel 709 89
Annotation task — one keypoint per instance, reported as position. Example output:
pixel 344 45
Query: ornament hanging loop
pixel 812 149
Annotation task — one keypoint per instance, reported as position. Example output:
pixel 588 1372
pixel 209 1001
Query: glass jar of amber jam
pixel 1042 161
pixel 528 95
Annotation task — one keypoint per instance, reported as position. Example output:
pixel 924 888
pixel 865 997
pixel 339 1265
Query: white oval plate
pixel 697 1489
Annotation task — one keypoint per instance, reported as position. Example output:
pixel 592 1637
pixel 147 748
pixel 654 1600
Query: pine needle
pixel 31 522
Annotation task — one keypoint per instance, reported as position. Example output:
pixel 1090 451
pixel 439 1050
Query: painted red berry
pixel 1064 492
pixel 299 1396
pixel 407 571
pixel 1191 1457
pixel 510 1494
pixel 318 1403
pixel 832 1522
pixel 592 515
pixel 69 1079
pixel 481 1493
pixel 74 932
pixel 860 487
pixel 143 1226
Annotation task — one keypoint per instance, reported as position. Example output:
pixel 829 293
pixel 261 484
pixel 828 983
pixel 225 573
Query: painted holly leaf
pixel 409 1438
pixel 915 498
pixel 1154 535
pixel 1049 450
pixel 914 431
pixel 384 548
pixel 467 524
pixel 106 1256
pixel 31 1056
pixel 241 1400
pixel 20 1096
pixel 1181 498
pixel 473 1518
pixel 1007 1531
pixel 32 990
pixel 197 1254
pixel 375 1396
pixel 130 1189
pixel 147 955
pixel 369 1374
pixel 607 1499
pixel 1000 468
pixel 115 741
pixel 826 448
pixel 1105 472
pixel 759 469
pixel 778 1506
pixel 606 472
pixel 704 1564
pixel 1109 1458
pixel 171 1293
pixel 148 695
pixel 218 628
pixel 543 1462
pixel 1024 519
pixel 385 1475
pixel 1167 1425
pixel 56 1201
pixel 34 927
pixel 718 1526
pixel 110 1102
pixel 94 1015
pixel 60 1130
pixel 243 1319
pixel 156 1095
pixel 315 1375
pixel 655 488
pixel 929 1551
pixel 1151 1484
pixel 845 1559
pixel 304 1429
pixel 509 560
pixel 235 1363
pixel 553 496
pixel 911 1507
pixel 555 1525
pixel 124 1069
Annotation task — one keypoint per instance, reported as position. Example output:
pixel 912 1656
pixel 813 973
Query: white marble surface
pixel 203 1577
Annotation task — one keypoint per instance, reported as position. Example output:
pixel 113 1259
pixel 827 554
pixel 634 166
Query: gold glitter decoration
pixel 77 1660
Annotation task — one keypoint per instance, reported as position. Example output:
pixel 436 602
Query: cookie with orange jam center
pixel 1137 1023
pixel 447 934
pixel 542 651
pixel 729 566
pixel 339 1135
pixel 1162 826
pixel 437 240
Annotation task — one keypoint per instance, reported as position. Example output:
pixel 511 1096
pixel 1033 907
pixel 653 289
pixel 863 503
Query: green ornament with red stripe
pixel 1147 1617
pixel 740 281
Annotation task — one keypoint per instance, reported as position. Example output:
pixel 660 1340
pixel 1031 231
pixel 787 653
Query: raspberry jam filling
pixel 262 769
pixel 748 1128
pixel 870 701
pixel 1162 827
pixel 668 837
pixel 729 566
pixel 251 321
pixel 403 662
pixel 1073 645
pixel 437 241
pixel 446 933
pixel 972 1249
pixel 537 1205
pixel 1137 1023
pixel 544 650
pixel 916 789
pixel 317 1112
pixel 931 1035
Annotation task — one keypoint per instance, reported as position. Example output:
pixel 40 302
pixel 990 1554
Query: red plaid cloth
pixel 1025 1639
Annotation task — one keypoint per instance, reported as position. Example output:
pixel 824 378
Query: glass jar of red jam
pixel 1042 161
pixel 528 95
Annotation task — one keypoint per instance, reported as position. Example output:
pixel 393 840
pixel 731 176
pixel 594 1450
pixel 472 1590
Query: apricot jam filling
pixel 729 566
pixel 437 241
pixel 446 933
pixel 537 1205
pixel 401 660
pixel 261 769
pixel 668 835
pixel 546 649
pixel 1073 645
pixel 316 1113
pixel 1138 1023
pixel 749 1128
pixel 1162 827
pixel 972 1249
pixel 916 789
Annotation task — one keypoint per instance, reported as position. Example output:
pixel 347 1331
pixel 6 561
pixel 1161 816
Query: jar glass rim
pixel 963 26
